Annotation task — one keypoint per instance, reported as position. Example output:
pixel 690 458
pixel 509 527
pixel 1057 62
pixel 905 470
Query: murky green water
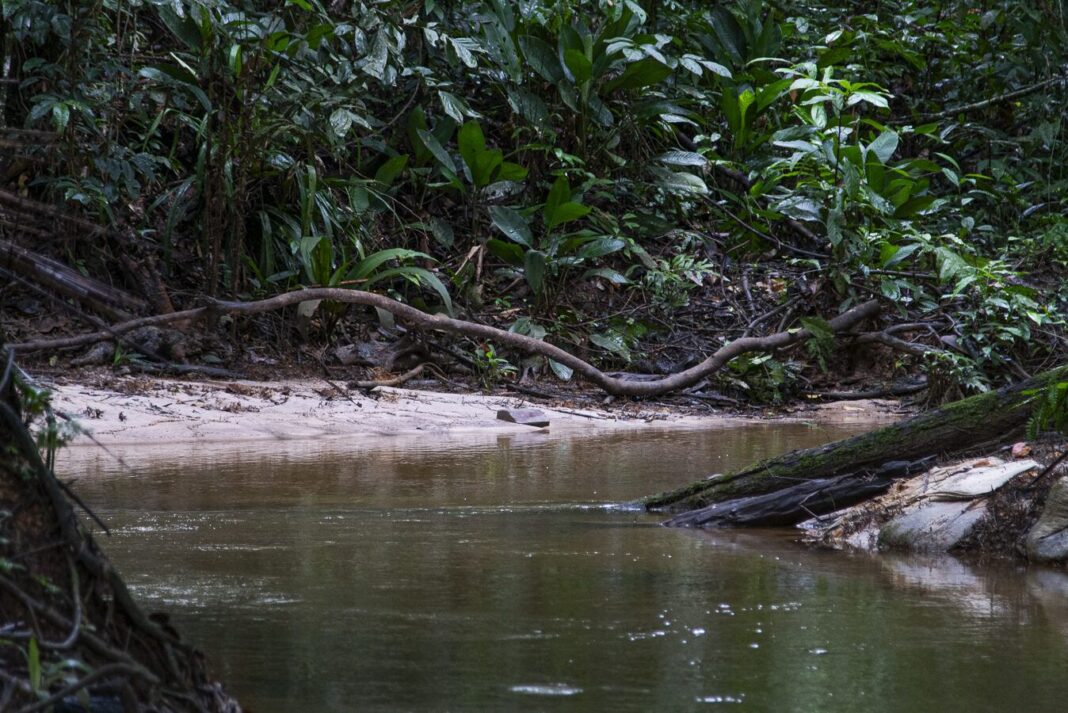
pixel 490 574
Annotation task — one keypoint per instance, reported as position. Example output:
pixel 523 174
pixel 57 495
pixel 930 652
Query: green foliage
pixel 762 378
pixel 490 366
pixel 1051 410
pixel 671 282
pixel 567 147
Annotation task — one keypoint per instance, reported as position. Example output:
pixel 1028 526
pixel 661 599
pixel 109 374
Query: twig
pixel 968 108
pixel 894 342
pixel 26 205
pixel 536 393
pixel 870 394
pixel 771 238
pixel 395 381
pixel 1048 469
pixel 111 669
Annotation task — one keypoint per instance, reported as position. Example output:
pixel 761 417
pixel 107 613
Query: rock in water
pixel 1048 539
pixel 932 527
pixel 524 416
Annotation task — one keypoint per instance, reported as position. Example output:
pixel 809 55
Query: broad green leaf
pixel 717 69
pixel 599 247
pixel 564 373
pixel 682 158
pixel 60 117
pixel 950 264
pixel 643 73
pixel 567 212
pixel 486 165
pixel 341 122
pixel 419 276
pixel 891 255
pixel 472 142
pixel 913 206
pixel 799 207
pixel 534 269
pixel 431 143
pixel 442 232
pixel 559 193
pixel 416 121
pixel 388 171
pixel 181 26
pixel 375 62
pixel 512 223
pixel 729 34
pixel 542 58
pixel 601 114
pixel 613 342
pixel 869 97
pixel 818 327
pixel 607 273
pixel 454 107
pixel 682 183
pixel 372 262
pixel 463 51
pixel 884 145
pixel 33 664
pixel 511 172
pixel 579 64
pixel 530 106
pixel 509 252
pixel 528 327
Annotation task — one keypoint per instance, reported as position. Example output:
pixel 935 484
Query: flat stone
pixel 933 526
pixel 524 416
pixel 1048 539
pixel 977 482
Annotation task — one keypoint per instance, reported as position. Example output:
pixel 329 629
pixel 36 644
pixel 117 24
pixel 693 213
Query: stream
pixel 502 573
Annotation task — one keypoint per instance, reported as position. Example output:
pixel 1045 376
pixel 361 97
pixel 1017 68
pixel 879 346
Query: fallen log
pixel 799 502
pixel 106 299
pixel 993 418
pixel 441 323
pixel 785 507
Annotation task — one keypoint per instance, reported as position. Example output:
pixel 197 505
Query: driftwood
pixel 436 322
pixel 105 299
pixel 989 419
pixel 796 503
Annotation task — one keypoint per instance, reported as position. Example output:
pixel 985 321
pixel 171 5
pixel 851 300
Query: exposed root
pixel 617 386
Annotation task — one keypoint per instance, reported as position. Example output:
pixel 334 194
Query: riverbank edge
pixel 148 411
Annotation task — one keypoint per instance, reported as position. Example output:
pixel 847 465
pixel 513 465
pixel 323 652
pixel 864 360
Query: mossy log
pixel 807 499
pixel 785 507
pixel 987 419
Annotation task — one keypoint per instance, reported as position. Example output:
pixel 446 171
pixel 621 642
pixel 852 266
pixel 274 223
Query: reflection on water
pixel 500 576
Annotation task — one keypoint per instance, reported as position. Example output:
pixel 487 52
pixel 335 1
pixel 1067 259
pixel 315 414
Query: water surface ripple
pixel 508 576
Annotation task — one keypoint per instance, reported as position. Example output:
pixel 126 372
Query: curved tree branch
pixel 422 320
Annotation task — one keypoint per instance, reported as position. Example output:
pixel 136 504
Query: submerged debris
pixel 945 508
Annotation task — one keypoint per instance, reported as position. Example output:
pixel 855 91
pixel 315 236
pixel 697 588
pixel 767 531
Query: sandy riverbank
pixel 149 411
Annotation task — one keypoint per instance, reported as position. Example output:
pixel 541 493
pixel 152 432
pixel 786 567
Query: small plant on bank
pixel 491 368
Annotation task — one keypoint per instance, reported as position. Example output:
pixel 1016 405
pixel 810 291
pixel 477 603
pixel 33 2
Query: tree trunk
pixel 987 419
